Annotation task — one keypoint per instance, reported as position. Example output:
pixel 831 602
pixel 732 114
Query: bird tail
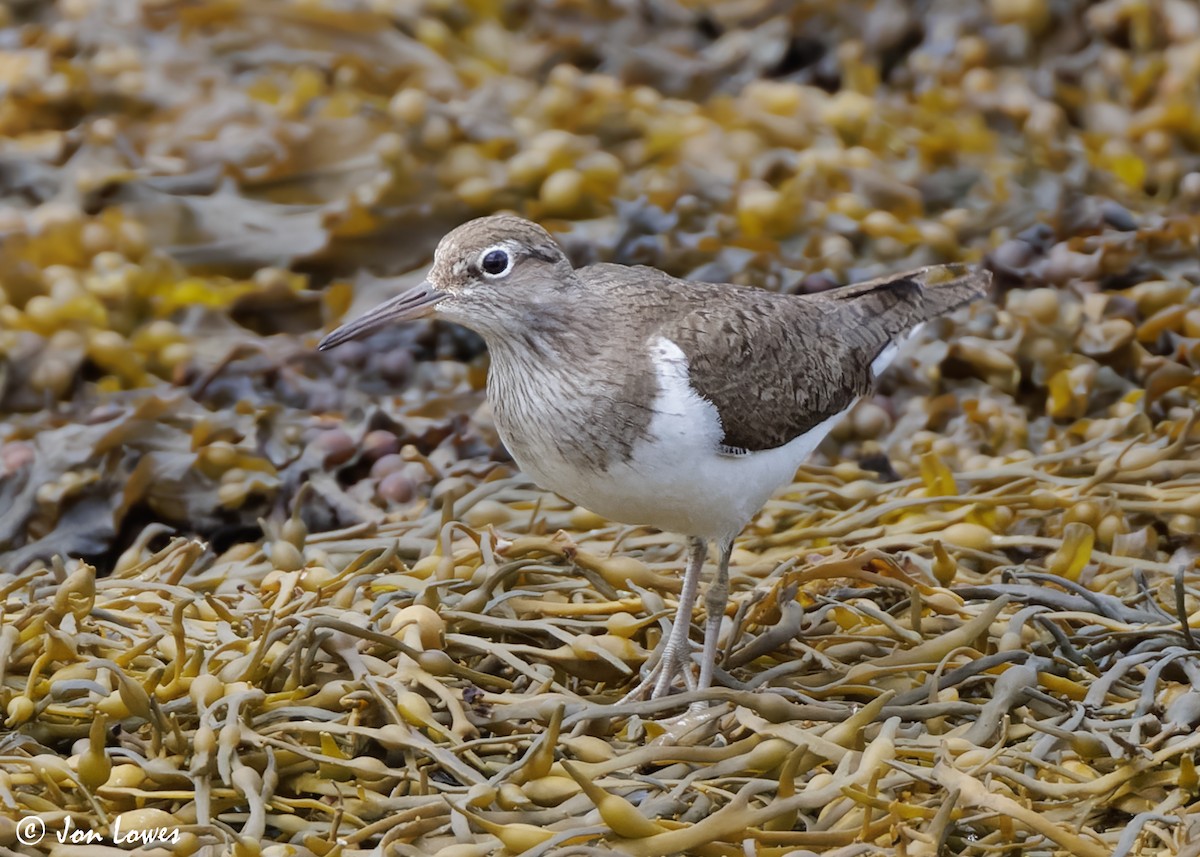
pixel 902 301
pixel 946 287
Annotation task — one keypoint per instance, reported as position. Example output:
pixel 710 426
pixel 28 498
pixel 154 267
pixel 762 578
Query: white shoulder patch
pixel 678 409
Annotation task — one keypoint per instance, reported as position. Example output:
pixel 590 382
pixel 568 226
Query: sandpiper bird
pixel 657 401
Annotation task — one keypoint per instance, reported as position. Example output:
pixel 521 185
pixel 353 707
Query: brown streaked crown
pixel 456 260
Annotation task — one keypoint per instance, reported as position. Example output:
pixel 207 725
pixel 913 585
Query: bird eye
pixel 495 262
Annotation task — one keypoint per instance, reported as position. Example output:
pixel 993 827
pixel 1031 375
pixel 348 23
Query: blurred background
pixel 192 191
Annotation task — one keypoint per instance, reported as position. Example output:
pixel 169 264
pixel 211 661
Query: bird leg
pixel 715 602
pixel 676 644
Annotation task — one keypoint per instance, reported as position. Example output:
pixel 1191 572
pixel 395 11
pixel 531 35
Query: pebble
pixel 378 443
pixel 336 445
pixel 396 365
pixel 396 487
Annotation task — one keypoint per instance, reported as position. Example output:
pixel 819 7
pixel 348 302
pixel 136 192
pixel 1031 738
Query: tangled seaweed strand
pixel 430 683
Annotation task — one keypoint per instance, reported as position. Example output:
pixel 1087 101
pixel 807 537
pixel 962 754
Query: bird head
pixel 489 274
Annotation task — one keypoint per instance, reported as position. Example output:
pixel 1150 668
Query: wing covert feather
pixel 775 366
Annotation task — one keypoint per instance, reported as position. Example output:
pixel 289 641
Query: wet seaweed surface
pixel 290 603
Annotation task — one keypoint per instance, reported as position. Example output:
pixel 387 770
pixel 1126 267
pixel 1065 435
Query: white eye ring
pixel 497 254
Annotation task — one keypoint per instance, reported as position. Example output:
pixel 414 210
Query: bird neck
pixel 545 346
pixel 546 333
pixel 556 396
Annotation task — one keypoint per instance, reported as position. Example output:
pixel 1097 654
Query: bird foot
pixel 646 688
pixel 658 682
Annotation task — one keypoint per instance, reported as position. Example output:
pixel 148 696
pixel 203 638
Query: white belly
pixel 676 479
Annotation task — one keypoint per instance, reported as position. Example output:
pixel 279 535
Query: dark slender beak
pixel 416 302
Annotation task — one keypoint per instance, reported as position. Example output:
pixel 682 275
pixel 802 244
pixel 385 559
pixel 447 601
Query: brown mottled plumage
pixel 777 365
pixel 658 401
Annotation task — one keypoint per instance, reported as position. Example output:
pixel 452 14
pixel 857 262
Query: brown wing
pixel 774 366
